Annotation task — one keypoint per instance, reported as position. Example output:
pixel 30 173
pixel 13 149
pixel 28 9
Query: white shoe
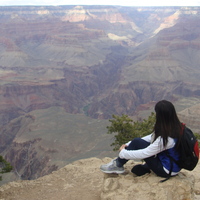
pixel 112 167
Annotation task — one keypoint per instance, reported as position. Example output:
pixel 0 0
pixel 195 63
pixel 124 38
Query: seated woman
pixel 155 149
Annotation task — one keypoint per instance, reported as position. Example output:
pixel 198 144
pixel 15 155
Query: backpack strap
pixel 171 168
pixel 182 128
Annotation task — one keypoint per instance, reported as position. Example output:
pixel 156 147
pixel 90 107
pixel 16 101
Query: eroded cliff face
pixel 90 62
pixel 103 60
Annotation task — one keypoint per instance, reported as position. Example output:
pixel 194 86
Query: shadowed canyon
pixel 65 70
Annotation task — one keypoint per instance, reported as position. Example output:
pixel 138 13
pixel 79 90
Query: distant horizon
pixel 132 3
pixel 93 5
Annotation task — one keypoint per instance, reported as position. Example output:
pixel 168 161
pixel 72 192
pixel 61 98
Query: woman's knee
pixel 137 143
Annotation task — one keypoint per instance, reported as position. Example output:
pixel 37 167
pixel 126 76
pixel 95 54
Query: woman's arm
pixel 153 149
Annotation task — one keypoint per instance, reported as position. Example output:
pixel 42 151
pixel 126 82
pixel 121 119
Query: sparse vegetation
pixel 125 129
pixel 4 166
pixel 198 137
pixel 85 109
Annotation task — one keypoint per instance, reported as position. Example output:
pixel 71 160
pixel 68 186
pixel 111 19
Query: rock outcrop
pixel 83 180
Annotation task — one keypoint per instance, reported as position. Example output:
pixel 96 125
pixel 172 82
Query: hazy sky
pixel 103 2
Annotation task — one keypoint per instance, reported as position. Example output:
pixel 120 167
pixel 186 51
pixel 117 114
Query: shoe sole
pixel 113 172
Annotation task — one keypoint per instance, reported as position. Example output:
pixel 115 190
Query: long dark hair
pixel 167 122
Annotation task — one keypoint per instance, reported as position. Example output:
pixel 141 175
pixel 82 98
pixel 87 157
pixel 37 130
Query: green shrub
pixel 125 129
pixel 4 166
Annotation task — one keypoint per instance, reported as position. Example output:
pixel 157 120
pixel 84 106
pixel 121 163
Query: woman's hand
pixel 122 147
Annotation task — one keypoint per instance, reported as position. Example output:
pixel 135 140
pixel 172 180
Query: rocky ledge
pixel 83 180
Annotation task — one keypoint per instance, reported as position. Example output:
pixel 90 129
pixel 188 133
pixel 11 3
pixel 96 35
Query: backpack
pixel 188 149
